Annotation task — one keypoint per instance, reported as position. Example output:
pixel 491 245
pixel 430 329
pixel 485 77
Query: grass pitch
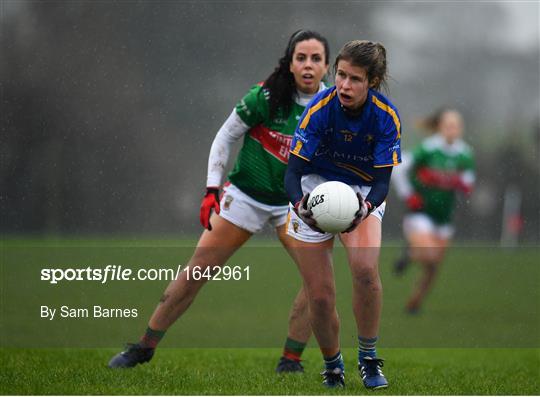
pixel 250 371
pixel 479 332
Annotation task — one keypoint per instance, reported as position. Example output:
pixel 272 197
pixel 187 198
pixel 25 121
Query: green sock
pixel 151 338
pixel 293 349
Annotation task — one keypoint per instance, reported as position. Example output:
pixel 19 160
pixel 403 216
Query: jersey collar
pixel 303 99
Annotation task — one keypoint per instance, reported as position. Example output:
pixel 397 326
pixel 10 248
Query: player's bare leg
pixel 299 323
pixel 363 249
pixel 314 261
pixel 428 250
pixel 299 330
pixel 213 249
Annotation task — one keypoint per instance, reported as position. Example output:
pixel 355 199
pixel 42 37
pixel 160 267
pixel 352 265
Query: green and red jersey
pixel 260 166
pixel 452 164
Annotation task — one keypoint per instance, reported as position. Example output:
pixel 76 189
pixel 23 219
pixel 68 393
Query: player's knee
pixel 433 256
pixel 322 303
pixel 366 276
pixel 427 255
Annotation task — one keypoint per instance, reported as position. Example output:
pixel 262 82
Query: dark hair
pixel 280 84
pixel 368 55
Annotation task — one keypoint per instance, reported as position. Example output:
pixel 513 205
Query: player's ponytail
pixel 280 84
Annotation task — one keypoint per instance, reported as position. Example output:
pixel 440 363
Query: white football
pixel 333 205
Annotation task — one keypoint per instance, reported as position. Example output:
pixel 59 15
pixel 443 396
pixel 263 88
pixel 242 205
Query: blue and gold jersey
pixel 347 148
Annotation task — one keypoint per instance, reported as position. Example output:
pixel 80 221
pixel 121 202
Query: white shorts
pixel 296 227
pixel 422 223
pixel 247 213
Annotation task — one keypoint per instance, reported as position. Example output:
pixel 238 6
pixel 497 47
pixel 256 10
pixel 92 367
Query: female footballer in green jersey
pixel 441 166
pixel 254 195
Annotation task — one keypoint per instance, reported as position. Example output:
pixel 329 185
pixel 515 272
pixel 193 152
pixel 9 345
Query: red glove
pixel 209 202
pixel 414 202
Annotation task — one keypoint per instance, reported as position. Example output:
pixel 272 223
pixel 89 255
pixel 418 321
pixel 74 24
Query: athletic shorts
pixel 247 213
pixel 422 223
pixel 296 227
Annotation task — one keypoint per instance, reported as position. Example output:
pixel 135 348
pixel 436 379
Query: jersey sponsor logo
pixel 273 142
pixel 396 146
pixel 244 108
pixel 335 155
pixel 321 152
pixel 300 137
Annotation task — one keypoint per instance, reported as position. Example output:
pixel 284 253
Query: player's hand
pixel 305 214
pixel 363 212
pixel 210 201
pixel 415 202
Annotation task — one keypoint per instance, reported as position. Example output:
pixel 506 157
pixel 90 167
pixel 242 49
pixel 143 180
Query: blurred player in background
pixel 441 166
pixel 254 195
pixel 349 133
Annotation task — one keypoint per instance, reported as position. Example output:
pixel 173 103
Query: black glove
pixel 365 208
pixel 306 215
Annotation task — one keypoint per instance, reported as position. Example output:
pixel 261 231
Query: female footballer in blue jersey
pixel 349 133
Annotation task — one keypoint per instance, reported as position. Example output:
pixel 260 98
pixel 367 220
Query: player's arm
pixel 306 139
pixel 465 181
pixel 401 178
pixel 375 197
pixel 402 182
pixel 293 178
pixel 245 115
pixel 293 188
pixel 230 132
pixel 467 177
pixel 379 190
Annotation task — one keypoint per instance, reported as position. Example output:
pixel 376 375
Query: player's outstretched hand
pixel 364 210
pixel 305 214
pixel 210 201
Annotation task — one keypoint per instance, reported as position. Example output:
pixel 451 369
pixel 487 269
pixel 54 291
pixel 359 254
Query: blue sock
pixel 334 362
pixel 366 347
